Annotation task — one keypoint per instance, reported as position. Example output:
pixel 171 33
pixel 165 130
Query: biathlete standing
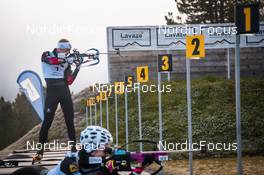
pixel 58 76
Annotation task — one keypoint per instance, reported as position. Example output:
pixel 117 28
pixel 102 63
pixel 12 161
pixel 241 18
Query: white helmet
pixel 95 137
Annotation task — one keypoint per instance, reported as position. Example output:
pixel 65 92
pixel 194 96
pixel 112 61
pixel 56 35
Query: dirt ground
pixel 216 166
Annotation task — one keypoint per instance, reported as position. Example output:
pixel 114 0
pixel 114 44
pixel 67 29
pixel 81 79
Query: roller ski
pixel 37 157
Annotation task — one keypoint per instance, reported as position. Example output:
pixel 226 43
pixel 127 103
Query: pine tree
pixel 16 119
pixel 207 11
pixel 24 113
pixel 6 121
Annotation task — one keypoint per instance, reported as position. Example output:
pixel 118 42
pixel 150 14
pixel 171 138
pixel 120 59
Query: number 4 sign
pixel 142 74
pixel 195 47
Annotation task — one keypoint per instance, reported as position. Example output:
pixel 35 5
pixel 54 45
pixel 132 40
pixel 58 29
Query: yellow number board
pixel 165 63
pixel 119 87
pixel 129 81
pixel 195 47
pixel 103 95
pixel 91 101
pixel 247 18
pixel 88 102
pixel 97 98
pixel 142 74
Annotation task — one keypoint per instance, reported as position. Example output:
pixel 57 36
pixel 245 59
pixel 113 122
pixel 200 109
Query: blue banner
pixel 31 85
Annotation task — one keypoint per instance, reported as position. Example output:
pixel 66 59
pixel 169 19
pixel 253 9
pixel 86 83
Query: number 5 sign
pixel 195 47
pixel 142 74
pixel 129 81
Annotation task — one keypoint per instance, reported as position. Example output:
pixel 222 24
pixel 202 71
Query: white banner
pixel 30 90
pixel 174 37
pixel 31 85
pixel 131 37
pixel 256 40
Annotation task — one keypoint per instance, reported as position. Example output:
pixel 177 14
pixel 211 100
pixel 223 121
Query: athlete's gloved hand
pixel 110 166
pixel 69 166
pixel 69 60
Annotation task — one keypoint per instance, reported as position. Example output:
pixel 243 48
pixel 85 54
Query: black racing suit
pixel 57 76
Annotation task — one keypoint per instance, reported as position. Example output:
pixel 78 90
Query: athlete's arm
pixel 47 58
pixel 68 166
pixel 33 170
pixel 56 170
pixel 70 76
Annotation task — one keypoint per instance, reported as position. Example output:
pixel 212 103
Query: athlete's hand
pixel 69 166
pixel 69 60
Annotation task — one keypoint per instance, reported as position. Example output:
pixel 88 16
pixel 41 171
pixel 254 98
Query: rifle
pixel 122 160
pixel 88 58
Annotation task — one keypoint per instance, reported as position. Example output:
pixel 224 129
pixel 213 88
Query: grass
pixel 213 113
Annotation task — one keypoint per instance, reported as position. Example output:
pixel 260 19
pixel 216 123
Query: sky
pixel 29 27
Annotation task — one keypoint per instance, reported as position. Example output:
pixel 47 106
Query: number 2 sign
pixel 195 47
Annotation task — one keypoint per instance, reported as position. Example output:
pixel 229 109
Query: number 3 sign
pixel 195 47
pixel 165 63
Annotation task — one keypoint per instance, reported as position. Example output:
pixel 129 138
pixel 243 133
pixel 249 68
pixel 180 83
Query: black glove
pixel 69 166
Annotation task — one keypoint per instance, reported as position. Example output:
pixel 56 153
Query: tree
pixel 16 119
pixel 207 11
pixel 6 120
pixel 24 112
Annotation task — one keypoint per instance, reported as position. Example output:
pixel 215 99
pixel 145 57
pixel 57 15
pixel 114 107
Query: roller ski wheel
pixel 37 158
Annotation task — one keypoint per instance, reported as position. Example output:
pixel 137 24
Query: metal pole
pixel 126 111
pixel 160 108
pixel 101 114
pixel 228 64
pixel 116 119
pixel 139 118
pixel 107 116
pixel 169 74
pixel 238 108
pixel 188 72
pixel 86 112
pixel 95 115
pixel 91 116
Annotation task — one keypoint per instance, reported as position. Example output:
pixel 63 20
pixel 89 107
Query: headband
pixel 64 45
